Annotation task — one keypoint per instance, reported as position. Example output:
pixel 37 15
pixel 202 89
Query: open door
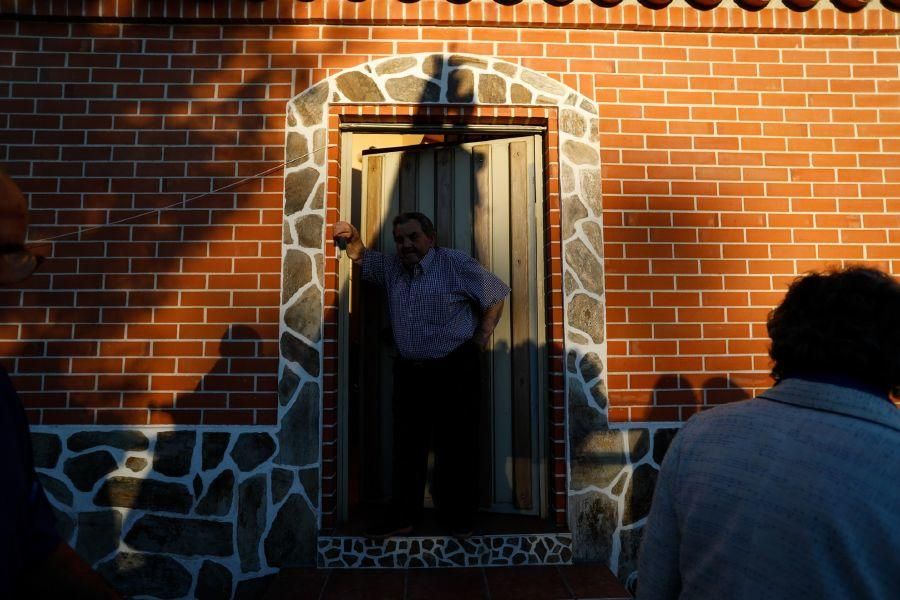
pixel 484 198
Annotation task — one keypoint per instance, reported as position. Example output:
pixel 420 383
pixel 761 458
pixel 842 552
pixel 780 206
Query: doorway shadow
pixel 369 390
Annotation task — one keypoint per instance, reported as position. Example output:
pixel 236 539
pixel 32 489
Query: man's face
pixel 412 243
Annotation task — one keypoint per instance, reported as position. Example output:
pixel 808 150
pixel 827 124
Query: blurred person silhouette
pixel 34 561
pixel 443 308
pixel 793 494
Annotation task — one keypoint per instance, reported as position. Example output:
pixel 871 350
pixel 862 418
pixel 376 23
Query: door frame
pixel 542 379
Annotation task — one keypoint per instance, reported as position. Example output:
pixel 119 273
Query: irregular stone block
pixel 198 485
pixel 252 502
pixel 305 315
pixel 309 479
pixel 56 488
pixel 491 89
pixel 567 183
pixel 620 484
pixel 507 69
pixel 585 265
pixel 87 469
pixel 147 575
pixel 136 463
pixel 214 445
pixel 597 454
pixel 252 449
pixel 570 285
pixel 309 231
pixel 543 83
pixel 319 148
pixel 433 65
pixel 395 65
pixel 638 444
pixel 358 87
pixel 596 516
pixel 519 94
pixel 639 494
pixel 594 236
pixel 296 350
pixel 320 269
pixel 460 86
pixel 98 534
pixel 459 61
pixel 413 89
pixel 590 189
pixel 45 449
pixel 594 129
pixel 298 438
pixel 580 153
pixel 298 187
pixel 585 315
pixel 292 539
pixel 571 361
pixel 297 269
pixel 186 537
pixel 213 582
pixel 282 480
pixel 219 496
pixel 174 452
pixel 318 198
pixel 662 439
pixel 572 123
pixel 123 440
pixel 591 366
pixel 598 393
pixel 287 385
pixel 574 212
pixel 310 104
pixel 286 233
pixel 296 147
pixel 146 494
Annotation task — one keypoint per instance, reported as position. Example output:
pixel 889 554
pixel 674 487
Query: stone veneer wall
pixel 186 513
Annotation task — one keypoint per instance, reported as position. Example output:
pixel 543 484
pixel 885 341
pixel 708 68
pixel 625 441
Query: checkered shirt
pixel 437 307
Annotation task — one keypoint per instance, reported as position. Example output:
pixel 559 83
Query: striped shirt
pixel 437 307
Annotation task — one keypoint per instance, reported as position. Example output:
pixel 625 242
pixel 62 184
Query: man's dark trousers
pixel 437 400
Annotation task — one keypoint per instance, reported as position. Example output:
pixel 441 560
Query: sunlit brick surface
pixel 738 150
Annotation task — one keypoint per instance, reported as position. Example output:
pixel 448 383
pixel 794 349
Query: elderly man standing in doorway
pixel 443 308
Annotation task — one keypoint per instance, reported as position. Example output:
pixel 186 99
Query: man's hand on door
pixel 347 238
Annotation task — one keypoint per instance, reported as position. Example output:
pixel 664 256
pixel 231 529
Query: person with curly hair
pixel 793 494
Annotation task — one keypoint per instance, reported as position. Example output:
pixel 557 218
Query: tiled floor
pixel 582 581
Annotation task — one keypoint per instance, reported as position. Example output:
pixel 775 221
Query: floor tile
pixel 526 583
pixel 592 580
pixel 365 584
pixel 449 584
pixel 297 584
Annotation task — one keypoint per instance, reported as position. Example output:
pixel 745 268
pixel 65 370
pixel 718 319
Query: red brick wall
pixel 733 160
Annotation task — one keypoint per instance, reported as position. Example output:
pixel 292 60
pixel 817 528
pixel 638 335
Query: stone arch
pixel 440 79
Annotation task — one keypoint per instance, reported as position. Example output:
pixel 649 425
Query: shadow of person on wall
pixel 229 382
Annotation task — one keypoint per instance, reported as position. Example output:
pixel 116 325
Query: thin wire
pixel 46 241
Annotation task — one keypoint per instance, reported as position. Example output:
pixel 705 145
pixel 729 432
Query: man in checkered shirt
pixel 443 307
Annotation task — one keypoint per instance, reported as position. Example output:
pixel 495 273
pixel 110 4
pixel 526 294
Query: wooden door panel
pixel 481 197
